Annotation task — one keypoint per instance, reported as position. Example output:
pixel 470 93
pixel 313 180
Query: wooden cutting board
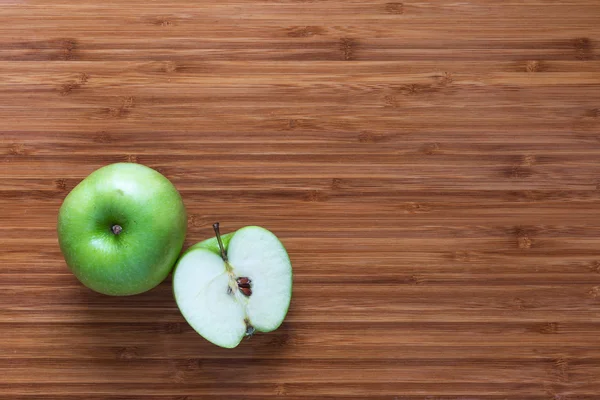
pixel 432 167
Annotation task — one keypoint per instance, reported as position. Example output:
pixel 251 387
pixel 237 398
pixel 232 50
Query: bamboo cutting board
pixel 433 168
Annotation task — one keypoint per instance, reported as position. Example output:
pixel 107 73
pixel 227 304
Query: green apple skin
pixel 212 244
pixel 151 213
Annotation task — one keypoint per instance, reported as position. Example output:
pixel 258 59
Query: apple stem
pixel 116 229
pixel 221 247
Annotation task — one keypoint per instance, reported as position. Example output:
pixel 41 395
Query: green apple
pixel 229 286
pixel 122 229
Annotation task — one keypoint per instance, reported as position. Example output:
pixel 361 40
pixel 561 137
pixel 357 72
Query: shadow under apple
pixel 144 342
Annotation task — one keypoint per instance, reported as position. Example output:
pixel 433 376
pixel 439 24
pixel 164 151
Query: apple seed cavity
pixel 116 229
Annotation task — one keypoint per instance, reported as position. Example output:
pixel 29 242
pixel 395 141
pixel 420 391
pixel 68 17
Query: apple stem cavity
pixel 221 247
pixel 116 229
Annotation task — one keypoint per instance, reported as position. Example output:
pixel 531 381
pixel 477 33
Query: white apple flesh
pixel 247 287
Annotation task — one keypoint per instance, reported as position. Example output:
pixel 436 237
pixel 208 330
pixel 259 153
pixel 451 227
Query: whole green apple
pixel 122 228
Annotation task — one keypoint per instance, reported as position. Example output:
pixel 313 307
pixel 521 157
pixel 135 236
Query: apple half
pixel 229 286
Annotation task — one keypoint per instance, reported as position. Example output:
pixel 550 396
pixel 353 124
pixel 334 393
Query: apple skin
pixel 212 244
pixel 153 219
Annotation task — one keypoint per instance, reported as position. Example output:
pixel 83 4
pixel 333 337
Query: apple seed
pixel 244 282
pixel 244 285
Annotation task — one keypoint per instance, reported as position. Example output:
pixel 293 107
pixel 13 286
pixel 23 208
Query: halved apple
pixel 229 286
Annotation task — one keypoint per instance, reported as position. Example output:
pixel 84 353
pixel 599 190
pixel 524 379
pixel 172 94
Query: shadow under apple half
pixel 229 286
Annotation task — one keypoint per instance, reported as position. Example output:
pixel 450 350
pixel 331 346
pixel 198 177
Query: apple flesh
pixel 229 286
pixel 122 228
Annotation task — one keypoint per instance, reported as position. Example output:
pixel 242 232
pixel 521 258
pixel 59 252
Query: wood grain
pixel 432 167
